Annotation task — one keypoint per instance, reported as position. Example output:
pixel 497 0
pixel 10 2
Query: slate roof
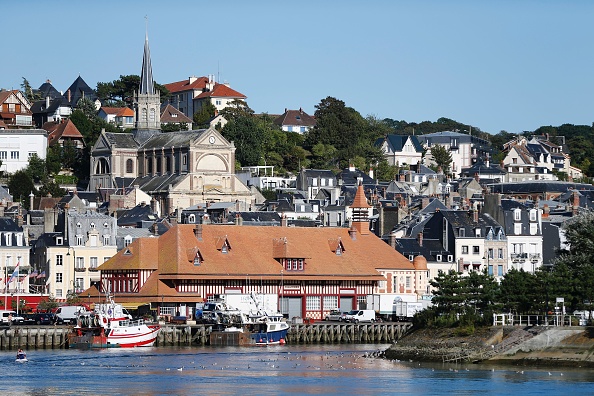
pixel 430 249
pixel 295 118
pixel 171 139
pixel 134 216
pixel 79 89
pixel 173 254
pixel 481 168
pixel 39 106
pixel 121 140
pixel 397 142
pixel 537 186
pixel 47 89
pixel 157 183
pixel 350 177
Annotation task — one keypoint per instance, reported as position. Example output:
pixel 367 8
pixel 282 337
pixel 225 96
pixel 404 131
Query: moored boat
pixel 108 326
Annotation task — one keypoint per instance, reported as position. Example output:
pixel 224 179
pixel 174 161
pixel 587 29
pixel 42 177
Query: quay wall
pixel 55 337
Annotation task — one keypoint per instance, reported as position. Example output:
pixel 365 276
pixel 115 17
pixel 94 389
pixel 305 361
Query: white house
pixel 18 145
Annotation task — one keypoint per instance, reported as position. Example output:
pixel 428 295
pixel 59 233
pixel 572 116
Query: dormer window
pixel 517 215
pixel 438 257
pixel 296 264
pixel 59 241
pixel 127 240
pixel 8 239
pixel 461 232
pixel 127 252
pixel 225 249
pixel 477 232
pixel 105 225
pixel 197 259
pixel 92 226
pixel 339 251
pixel 533 215
pixel 78 225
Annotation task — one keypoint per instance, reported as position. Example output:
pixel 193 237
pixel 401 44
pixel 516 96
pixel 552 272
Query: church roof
pixel 171 139
pixel 221 91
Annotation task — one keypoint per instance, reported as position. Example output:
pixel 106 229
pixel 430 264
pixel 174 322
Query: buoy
pixel 282 341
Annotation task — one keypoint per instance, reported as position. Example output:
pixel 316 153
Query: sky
pixel 497 65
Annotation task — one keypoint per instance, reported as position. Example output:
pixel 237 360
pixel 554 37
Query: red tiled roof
pixel 63 130
pixel 295 117
pixel 252 252
pixel 167 115
pixel 221 91
pixel 185 85
pixel 115 110
pixel 125 112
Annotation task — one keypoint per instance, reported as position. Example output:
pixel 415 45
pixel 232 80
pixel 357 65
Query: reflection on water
pixel 322 370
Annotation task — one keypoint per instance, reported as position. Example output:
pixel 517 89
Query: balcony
pixel 534 257
pixel 519 256
pixel 80 269
pixel 93 269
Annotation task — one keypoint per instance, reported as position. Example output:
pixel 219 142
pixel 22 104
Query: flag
pixel 42 275
pixel 14 274
pixel 33 274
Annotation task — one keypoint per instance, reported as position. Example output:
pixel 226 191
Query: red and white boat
pixel 108 326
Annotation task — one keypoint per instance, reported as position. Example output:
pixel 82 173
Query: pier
pixel 56 337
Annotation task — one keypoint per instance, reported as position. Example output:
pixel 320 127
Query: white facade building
pixel 18 145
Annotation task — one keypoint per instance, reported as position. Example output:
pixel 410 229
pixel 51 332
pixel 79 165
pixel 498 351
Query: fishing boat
pixel 247 324
pixel 108 326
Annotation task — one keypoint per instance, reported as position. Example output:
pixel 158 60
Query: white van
pixel 69 313
pixel 360 315
pixel 5 315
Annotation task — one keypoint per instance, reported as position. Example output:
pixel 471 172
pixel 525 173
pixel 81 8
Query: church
pixel 177 169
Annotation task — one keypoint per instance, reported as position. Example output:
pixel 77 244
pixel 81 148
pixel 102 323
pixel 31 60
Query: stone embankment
pixel 537 345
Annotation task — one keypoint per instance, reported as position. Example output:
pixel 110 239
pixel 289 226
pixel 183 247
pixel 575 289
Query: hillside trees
pixel 120 92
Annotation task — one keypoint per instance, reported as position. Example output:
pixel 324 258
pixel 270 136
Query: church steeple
pixel 147 86
pixel 147 101
pixel 360 209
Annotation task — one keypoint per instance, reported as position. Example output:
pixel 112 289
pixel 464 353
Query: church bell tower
pixel 147 100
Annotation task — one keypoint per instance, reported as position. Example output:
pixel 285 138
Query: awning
pixel 133 305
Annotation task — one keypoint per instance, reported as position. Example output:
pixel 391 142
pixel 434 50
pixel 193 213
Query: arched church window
pixel 129 166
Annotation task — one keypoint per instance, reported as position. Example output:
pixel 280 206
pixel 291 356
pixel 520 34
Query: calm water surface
pixel 282 370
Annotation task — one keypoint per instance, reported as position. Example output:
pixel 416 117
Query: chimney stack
pixel 353 233
pixel 198 231
pixel 420 238
pixel 576 203
pixel 284 221
pixel 393 240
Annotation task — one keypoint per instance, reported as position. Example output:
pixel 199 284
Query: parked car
pixel 7 316
pixel 336 315
pixel 360 315
pixel 44 318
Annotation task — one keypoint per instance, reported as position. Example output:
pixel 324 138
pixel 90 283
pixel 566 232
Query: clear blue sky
pixel 498 65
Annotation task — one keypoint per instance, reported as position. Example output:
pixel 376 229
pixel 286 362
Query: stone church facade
pixel 177 169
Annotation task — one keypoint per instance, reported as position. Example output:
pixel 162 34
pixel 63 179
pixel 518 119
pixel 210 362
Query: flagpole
pixel 5 286
pixel 18 280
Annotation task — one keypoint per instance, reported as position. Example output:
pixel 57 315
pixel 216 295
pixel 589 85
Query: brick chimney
pixel 198 231
pixel 284 220
pixel 420 238
pixel 576 203
pixel 545 211
pixel 393 240
pixel 353 233
pixel 476 176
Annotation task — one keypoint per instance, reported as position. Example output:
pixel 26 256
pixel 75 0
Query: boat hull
pixel 123 337
pixel 270 337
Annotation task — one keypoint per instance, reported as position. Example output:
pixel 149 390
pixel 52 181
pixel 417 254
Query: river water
pixel 278 370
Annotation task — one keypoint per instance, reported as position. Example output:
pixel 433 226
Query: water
pixel 279 370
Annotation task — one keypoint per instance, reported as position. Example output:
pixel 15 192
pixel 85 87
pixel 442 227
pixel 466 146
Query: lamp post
pixel 488 258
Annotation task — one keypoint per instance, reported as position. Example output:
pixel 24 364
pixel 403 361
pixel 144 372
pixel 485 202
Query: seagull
pixel 180 369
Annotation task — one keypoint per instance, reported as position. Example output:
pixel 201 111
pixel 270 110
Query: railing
pixel 519 256
pixel 558 320
pixel 80 269
pixel 93 269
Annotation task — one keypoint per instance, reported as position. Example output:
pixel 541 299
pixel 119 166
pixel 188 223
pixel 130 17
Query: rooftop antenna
pixel 218 71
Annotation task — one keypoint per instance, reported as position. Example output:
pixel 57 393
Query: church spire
pixel 147 85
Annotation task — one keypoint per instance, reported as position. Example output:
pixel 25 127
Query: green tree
pixel 204 115
pixel 52 187
pixel 120 92
pixel 442 157
pixel 47 304
pixel 248 138
pixel 21 186
pixel 36 169
pixel 237 109
pixel 518 291
pixel 29 93
pixel 53 160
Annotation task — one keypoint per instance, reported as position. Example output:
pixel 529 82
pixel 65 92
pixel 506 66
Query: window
pixel 450 258
pixel 31 154
pixel 78 225
pixel 80 262
pixel 152 116
pixel 92 226
pixel 464 249
pixel 106 258
pixel 184 159
pixel 438 257
pixel 476 250
pixel 477 232
pixel 533 215
pixel 533 228
pixel 14 155
pixel 490 253
pixel 127 240
pixel 461 232
pixel 79 283
pixel 93 262
pixel 106 240
pixel 218 102
pixel 491 270
pixel 58 292
pixel 312 303
pixel 407 284
pixel 517 215
pixel 500 270
pixel 330 303
pixel 518 228
pixel 79 240
pixel 3 155
pixel 58 277
pixel 59 259
pixel 500 253
pixel 59 241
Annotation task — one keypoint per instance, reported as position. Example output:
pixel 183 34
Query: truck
pixel 394 307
